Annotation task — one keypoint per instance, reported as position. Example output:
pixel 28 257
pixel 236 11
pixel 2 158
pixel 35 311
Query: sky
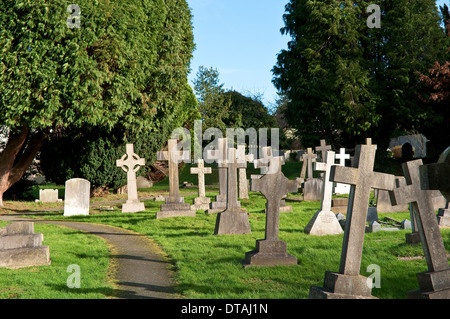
pixel 241 39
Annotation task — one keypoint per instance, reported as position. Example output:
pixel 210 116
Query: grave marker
pixel 76 198
pixel 272 251
pixel 323 148
pixel 324 221
pixel 220 155
pixel 131 163
pixel 175 205
pixel 243 182
pixel 348 283
pixel 233 220
pixel 201 202
pixel 48 196
pixel 435 283
pixel 339 187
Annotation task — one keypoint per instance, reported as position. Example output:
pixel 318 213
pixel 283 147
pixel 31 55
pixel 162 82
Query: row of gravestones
pixel 347 283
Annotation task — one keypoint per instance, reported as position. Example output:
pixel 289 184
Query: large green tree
pixel 345 81
pixel 125 68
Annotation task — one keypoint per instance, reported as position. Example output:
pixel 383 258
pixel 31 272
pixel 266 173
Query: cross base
pixel 323 223
pixel 340 286
pixel 133 206
pixel 269 253
pixel 175 210
pixel 201 203
pixel 232 222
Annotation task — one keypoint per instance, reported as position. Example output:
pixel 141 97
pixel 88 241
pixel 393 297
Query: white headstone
pixel 48 196
pixel 76 200
pixel 341 188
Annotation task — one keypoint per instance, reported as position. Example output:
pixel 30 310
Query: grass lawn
pixel 209 266
pixel 67 247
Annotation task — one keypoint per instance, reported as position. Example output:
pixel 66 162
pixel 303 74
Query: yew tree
pixel 125 67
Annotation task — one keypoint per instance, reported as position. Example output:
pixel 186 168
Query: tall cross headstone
pixel 175 205
pixel 233 220
pixel 131 163
pixel 308 158
pixel 435 283
pixel 201 202
pixel 220 156
pixel 324 221
pixel 243 182
pixel 339 187
pixel 348 283
pixel 274 186
pixel 323 148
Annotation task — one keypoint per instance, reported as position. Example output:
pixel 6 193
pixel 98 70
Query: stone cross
pixel 341 156
pixel 323 148
pixel 428 228
pixel 274 186
pixel 220 155
pixel 131 163
pixel 308 158
pixel 263 162
pixel 233 220
pixel 362 178
pixel 201 202
pixel 342 188
pixel 324 222
pixel 173 157
pixel 201 170
pixel 243 182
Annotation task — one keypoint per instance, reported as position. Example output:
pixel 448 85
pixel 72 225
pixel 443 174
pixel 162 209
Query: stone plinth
pixel 269 253
pixel 21 247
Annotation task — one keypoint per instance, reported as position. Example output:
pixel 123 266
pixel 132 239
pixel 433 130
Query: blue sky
pixel 241 38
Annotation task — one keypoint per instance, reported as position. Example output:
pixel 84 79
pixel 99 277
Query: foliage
pixel 213 104
pixel 345 81
pixel 125 67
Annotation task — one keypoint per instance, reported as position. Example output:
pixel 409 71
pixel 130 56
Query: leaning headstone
pixel 384 204
pixel 272 251
pixel 201 202
pixel 175 205
pixel 48 196
pixel 220 156
pixel 444 216
pixel 233 220
pixel 348 283
pixel 324 221
pixel 372 214
pixel 340 188
pixel 435 283
pixel 21 247
pixel 436 176
pixel 130 163
pixel 76 198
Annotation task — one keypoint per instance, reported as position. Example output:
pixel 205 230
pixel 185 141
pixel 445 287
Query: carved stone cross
pixel 131 163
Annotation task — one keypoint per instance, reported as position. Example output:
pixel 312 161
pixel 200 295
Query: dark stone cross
pixel 323 148
pixel 233 220
pixel 274 186
pixel 436 282
pixel 348 283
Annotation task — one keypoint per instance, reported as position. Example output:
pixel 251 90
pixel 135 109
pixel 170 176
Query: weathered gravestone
pixel 384 204
pixel 348 283
pixel 436 176
pixel 48 196
pixel 130 163
pixel 233 220
pixel 308 158
pixel 444 216
pixel 263 165
pixel 435 283
pixel 272 251
pixel 220 156
pixel 21 247
pixel 201 202
pixel 243 181
pixel 324 221
pixel 312 187
pixel 323 148
pixel 76 198
pixel 175 205
pixel 339 187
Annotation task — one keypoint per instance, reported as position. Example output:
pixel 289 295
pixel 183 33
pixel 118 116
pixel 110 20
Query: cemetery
pixel 121 177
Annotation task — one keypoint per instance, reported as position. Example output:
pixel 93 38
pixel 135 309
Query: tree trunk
pixel 17 156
